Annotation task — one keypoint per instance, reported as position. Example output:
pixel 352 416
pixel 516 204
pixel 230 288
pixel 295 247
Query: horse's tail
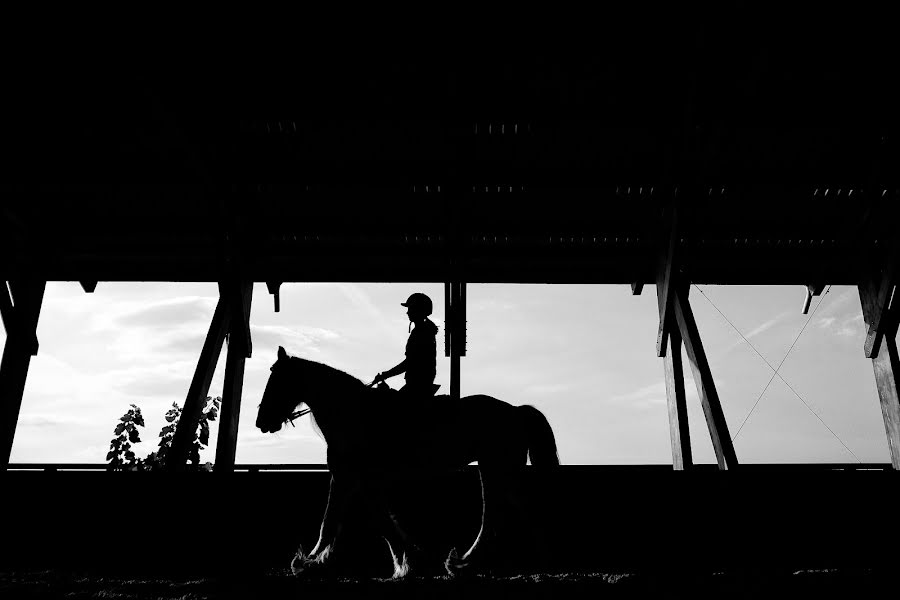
pixel 541 441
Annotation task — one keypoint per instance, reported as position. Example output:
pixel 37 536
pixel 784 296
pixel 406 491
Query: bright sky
pixel 584 355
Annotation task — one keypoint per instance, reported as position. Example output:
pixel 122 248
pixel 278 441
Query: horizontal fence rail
pixel 598 469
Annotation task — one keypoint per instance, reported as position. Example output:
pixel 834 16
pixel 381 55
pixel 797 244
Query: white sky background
pixel 584 355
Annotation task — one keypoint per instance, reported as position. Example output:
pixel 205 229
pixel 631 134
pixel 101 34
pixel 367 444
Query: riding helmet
pixel 419 301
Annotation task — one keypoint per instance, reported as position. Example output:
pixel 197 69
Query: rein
pixel 297 415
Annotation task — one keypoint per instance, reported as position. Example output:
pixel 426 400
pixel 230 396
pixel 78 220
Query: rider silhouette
pixel 421 350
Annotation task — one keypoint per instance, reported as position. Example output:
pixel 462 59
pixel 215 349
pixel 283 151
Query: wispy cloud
pixel 41 420
pixel 169 312
pixel 296 339
pixel 654 395
pixel 756 331
pixel 826 322
pixel 849 327
pixel 362 302
pixel 765 326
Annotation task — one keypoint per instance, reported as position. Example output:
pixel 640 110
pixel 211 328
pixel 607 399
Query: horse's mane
pixel 328 375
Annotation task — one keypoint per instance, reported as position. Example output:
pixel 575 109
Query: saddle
pixel 384 387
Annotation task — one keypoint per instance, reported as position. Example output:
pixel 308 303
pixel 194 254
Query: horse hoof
pixel 299 564
pixel 456 566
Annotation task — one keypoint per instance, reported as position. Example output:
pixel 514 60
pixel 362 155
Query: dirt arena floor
pixel 836 583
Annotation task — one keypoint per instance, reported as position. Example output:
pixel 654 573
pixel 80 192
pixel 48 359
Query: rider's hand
pixel 378 379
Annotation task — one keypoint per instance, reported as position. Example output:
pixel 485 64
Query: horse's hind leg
pixel 491 491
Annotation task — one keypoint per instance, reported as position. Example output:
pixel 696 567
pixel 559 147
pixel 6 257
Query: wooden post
pixel 886 364
pixel 239 349
pixel 666 278
pixel 664 283
pixel 877 302
pixel 706 387
pixel 21 319
pixel 679 432
pixel 197 393
pixel 455 331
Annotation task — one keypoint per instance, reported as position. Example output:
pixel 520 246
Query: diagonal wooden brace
pixel 239 349
pixel 199 390
pixel 15 303
pixel 679 432
pixel 885 364
pixel 21 319
pixel 665 288
pixel 878 305
pixel 706 387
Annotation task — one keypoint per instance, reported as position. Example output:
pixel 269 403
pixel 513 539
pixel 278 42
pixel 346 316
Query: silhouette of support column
pixel 885 361
pixel 668 335
pixel 239 349
pixel 20 317
pixel 706 387
pixel 199 390
pixel 455 330
pixel 679 432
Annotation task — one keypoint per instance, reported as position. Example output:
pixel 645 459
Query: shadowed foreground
pixel 834 583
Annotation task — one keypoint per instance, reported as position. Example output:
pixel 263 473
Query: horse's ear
pixel 282 355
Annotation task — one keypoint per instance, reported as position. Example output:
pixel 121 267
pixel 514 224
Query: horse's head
pixel 280 398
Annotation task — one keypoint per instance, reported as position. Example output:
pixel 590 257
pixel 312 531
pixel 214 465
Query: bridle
pixel 297 415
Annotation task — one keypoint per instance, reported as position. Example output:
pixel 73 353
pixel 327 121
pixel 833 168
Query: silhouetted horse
pixel 365 436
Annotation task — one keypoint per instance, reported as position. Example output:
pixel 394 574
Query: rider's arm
pixel 401 368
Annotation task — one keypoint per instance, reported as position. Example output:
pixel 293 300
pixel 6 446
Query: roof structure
pixel 553 165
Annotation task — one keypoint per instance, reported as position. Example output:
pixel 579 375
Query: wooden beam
pixel 239 295
pixel 886 365
pixel 636 288
pixel 238 352
pixel 679 432
pixel 21 345
pixel 226 445
pixel 878 309
pixel 89 286
pixel 199 389
pixel 461 317
pixel 6 308
pixel 664 283
pixel 274 288
pixel 887 371
pixel 706 387
pixel 811 290
pixel 15 326
pixel 448 331
pixel 455 330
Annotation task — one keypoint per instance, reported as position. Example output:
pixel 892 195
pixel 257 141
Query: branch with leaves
pixel 122 458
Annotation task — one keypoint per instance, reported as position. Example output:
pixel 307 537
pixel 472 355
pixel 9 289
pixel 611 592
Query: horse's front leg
pixel 340 493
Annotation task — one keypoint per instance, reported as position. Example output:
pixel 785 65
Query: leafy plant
pixel 120 454
pixel 121 457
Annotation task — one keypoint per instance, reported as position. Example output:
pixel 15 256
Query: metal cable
pixel 779 368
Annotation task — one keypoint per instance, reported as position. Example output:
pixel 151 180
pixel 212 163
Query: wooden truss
pixel 20 306
pixel 231 319
pixel 677 327
pixel 882 316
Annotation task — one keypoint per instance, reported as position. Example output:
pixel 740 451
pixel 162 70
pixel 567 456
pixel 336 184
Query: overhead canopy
pixel 559 165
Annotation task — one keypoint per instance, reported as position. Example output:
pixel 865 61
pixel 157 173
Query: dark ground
pixel 586 532
pixel 836 583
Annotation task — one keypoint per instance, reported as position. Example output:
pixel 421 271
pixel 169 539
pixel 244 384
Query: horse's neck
pixel 335 404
